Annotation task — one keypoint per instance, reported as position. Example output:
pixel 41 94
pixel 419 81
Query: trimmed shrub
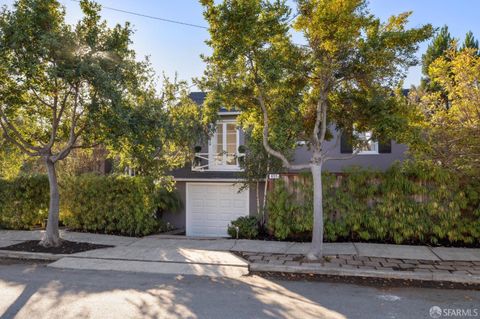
pixel 113 204
pixel 24 202
pixel 248 227
pixel 409 203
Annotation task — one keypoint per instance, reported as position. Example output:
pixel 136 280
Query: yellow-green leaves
pixel 452 113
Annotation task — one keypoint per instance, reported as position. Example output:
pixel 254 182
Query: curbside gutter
pixel 30 255
pixel 335 271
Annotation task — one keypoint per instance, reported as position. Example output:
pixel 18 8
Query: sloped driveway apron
pixel 186 257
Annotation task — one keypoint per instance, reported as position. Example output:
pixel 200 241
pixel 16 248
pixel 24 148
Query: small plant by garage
pixel 248 227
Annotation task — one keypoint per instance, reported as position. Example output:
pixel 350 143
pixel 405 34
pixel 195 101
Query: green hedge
pixel 409 203
pixel 113 204
pixel 24 202
pixel 105 204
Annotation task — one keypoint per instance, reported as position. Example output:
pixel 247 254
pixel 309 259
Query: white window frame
pixel 212 148
pixel 373 144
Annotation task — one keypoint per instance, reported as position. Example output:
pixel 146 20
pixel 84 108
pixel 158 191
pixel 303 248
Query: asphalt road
pixel 36 291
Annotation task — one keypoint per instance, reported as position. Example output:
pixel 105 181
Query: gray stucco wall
pixel 178 218
pixel 373 161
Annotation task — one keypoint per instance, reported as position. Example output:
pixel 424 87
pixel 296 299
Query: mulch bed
pixel 66 247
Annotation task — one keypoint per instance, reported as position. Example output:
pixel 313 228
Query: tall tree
pixel 63 87
pixel 161 132
pixel 437 48
pixel 342 78
pixel 470 42
pixel 451 136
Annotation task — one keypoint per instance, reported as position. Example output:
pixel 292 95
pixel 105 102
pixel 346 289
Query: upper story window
pixel 223 146
pixel 369 146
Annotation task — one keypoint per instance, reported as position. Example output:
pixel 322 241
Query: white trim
pixel 229 113
pixel 247 191
pixel 212 147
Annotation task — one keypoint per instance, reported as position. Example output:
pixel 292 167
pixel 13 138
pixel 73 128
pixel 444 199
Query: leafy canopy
pixel 350 65
pixel 66 87
pixel 451 136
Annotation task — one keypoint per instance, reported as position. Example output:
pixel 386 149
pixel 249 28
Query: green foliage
pixel 437 48
pixel 348 69
pixel 248 227
pixel 256 162
pixel 161 133
pixel 409 203
pixel 23 202
pixel 470 42
pixel 107 204
pixel 11 159
pixel 286 214
pixel 113 204
pixel 450 133
pixel 341 78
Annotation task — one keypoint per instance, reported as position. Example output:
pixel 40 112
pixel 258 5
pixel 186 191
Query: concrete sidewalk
pixel 213 257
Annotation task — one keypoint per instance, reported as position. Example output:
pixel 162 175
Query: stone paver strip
pixel 406 266
pixel 372 264
pixel 444 267
pixel 388 264
pixel 365 266
pixel 354 262
pixel 421 266
pixel 329 248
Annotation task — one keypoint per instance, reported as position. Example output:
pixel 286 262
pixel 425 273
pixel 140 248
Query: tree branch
pixel 41 100
pixel 267 146
pixel 14 141
pixel 17 134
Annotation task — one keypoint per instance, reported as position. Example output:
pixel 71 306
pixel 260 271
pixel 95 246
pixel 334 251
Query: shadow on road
pixel 30 291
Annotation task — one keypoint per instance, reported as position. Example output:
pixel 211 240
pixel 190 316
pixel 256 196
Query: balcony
pixel 223 161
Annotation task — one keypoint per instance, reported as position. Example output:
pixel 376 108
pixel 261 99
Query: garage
pixel 210 207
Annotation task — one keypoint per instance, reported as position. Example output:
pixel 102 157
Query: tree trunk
pixel 316 248
pixel 51 237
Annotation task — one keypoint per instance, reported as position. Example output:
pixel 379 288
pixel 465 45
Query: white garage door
pixel 211 207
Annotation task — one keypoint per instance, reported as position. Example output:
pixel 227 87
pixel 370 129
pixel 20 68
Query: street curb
pixel 30 255
pixel 335 271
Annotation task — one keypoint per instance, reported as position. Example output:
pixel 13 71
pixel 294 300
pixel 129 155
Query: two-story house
pixel 209 187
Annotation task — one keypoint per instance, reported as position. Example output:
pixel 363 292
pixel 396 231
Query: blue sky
pixel 176 48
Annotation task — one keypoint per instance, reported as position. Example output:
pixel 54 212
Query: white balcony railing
pixel 217 162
